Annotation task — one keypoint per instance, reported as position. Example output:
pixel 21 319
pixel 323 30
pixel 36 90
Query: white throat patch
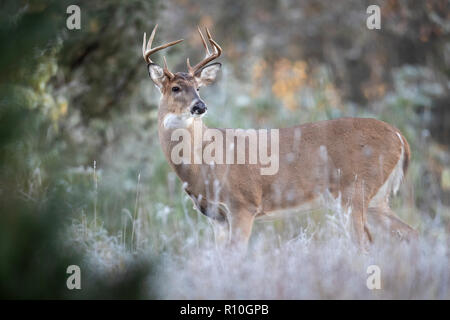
pixel 175 121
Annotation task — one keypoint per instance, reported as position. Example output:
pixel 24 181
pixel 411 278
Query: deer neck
pixel 171 126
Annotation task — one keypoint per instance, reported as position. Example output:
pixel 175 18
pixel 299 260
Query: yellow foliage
pixel 93 26
pixel 445 179
pixel 63 106
pixel 259 70
pixel 58 109
pixel 288 78
pixel 374 91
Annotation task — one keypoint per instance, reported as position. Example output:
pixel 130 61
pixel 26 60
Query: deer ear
pixel 156 73
pixel 208 74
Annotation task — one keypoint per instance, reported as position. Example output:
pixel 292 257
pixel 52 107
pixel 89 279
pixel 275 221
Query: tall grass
pixel 304 256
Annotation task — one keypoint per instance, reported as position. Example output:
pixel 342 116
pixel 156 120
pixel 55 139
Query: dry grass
pixel 301 257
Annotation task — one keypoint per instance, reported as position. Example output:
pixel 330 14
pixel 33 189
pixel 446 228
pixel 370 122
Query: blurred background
pixel 82 177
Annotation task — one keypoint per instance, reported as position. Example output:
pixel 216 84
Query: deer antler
pixel 148 50
pixel 209 56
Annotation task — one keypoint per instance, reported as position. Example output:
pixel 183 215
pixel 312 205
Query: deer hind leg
pixel 357 202
pixel 359 223
pixel 388 220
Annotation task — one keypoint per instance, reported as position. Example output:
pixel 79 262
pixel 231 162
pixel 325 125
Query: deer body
pixel 353 162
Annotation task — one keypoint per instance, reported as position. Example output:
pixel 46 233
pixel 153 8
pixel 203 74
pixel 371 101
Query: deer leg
pixel 358 205
pixel 384 216
pixel 241 225
pixel 362 234
pixel 369 235
pixel 221 233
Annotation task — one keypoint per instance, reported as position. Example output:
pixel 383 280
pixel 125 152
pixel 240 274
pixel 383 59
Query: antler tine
pixel 209 56
pixel 143 45
pixel 147 50
pixel 152 36
pixel 217 48
pixel 166 69
pixel 204 42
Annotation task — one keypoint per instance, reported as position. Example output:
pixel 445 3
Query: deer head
pixel 180 90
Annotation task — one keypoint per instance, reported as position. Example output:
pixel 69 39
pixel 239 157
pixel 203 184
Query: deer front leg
pixel 221 233
pixel 241 223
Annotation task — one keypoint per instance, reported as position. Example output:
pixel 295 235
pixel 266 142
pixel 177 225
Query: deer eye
pixel 175 89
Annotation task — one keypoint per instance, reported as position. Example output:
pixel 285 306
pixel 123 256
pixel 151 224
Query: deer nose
pixel 198 108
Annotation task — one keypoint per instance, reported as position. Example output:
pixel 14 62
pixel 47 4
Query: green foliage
pixel 37 195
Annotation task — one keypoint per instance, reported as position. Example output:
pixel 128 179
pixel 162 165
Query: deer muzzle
pixel 198 108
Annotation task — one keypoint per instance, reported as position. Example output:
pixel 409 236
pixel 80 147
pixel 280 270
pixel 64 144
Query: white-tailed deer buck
pixel 354 162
